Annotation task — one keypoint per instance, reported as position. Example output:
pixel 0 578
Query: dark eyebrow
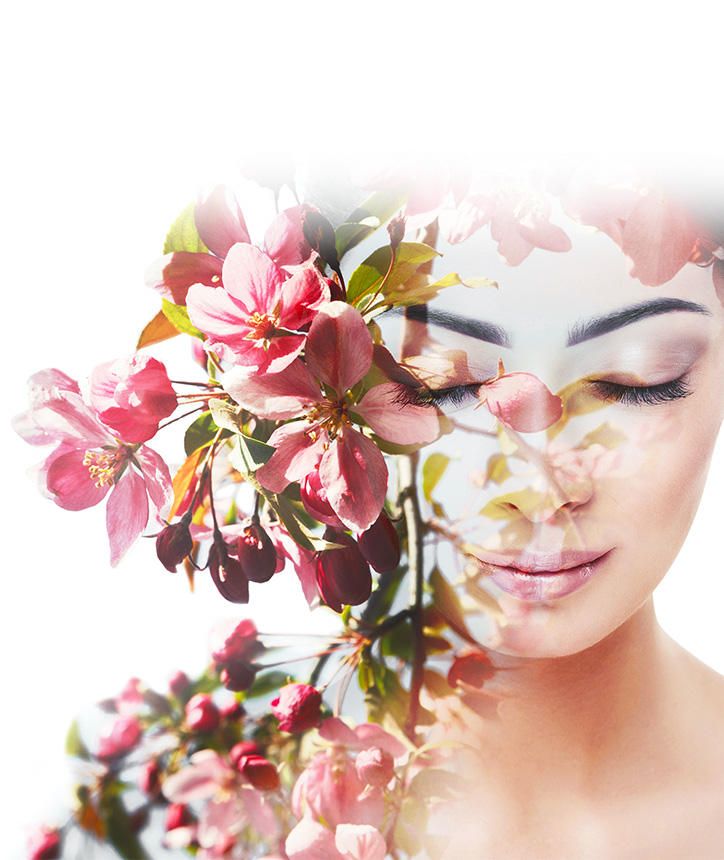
pixel 598 326
pixel 478 329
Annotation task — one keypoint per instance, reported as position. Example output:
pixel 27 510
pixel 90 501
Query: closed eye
pixel 454 395
pixel 641 395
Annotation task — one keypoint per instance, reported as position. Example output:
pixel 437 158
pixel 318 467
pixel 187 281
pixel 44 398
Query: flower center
pixel 263 326
pixel 330 416
pixel 104 465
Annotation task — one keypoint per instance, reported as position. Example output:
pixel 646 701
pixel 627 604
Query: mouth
pixel 539 577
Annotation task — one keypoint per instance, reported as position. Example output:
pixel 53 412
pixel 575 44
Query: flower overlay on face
pixel 351 468
pixel 89 463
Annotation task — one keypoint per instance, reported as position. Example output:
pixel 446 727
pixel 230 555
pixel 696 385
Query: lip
pixel 539 577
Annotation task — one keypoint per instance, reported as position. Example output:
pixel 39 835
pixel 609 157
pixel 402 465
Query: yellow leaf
pixel 158 330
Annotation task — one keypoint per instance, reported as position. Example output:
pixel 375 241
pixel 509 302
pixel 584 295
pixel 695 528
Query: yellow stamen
pixel 104 465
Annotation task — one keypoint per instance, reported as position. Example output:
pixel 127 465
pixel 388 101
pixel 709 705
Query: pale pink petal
pixel 295 456
pixel 198 780
pixel 303 561
pixel 277 396
pixel 158 478
pixel 69 482
pixel 284 239
pixel 658 237
pixel 260 812
pixel 459 224
pixel 220 222
pixel 354 474
pixel 360 842
pixel 66 417
pixel 403 423
pixel 310 840
pixel 336 731
pixel 173 274
pixel 339 346
pixel 126 513
pixel 220 816
pixel 223 318
pixel 372 735
pixel 280 353
pixel 305 292
pixel 521 401
pixel 51 377
pixel 252 278
pixel 545 235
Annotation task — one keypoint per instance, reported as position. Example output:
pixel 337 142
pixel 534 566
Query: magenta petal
pixel 403 423
pixel 173 274
pixel 284 239
pixel 126 513
pixel 296 454
pixel 252 278
pixel 214 312
pixel 70 483
pixel 278 396
pixel 157 477
pixel 302 295
pixel 521 401
pixel 220 222
pixel 339 346
pixel 354 474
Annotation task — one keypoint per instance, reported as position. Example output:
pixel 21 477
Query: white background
pixel 115 116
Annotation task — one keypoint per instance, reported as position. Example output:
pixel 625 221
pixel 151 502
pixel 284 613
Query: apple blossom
pixel 298 707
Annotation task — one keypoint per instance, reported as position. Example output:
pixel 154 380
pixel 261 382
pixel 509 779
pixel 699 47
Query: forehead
pixel 550 293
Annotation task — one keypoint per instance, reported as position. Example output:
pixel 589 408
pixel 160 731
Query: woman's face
pixel 573 526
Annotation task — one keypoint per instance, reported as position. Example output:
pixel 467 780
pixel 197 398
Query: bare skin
pixel 614 752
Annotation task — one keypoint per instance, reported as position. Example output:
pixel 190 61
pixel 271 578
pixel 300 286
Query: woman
pixel 602 737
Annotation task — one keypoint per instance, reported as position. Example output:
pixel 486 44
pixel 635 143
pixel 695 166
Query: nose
pixel 558 484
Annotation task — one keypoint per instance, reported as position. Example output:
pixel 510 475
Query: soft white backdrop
pixel 115 116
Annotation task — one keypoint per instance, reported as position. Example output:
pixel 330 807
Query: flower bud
pixel 298 707
pixel 234 641
pixel 178 683
pixel 396 230
pixel 261 773
pixel 232 710
pixel 375 767
pixel 238 676
pixel 176 815
pixel 118 737
pixel 174 543
pixel 343 575
pixel 227 573
pixel 257 554
pixel 314 499
pixel 243 748
pixel 44 843
pixel 471 667
pixel 380 545
pixel 149 779
pixel 320 235
pixel 202 715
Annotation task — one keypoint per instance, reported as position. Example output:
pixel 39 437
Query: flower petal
pixel 126 513
pixel 157 477
pixel 339 346
pixel 252 278
pixel 70 483
pixel 173 274
pixel 220 222
pixel 295 456
pixel 354 474
pixel 301 296
pixel 522 402
pixel 403 423
pixel 310 840
pixel 277 396
pixel 360 842
pixel 284 239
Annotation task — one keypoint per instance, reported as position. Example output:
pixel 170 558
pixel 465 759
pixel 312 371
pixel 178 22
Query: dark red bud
pixel 343 575
pixel 232 711
pixel 336 293
pixel 174 543
pixel 471 667
pixel 238 676
pixel 243 748
pixel 380 545
pixel 261 773
pixel 202 715
pixel 178 683
pixel 320 235
pixel 257 553
pixel 227 573
pixel 149 779
pixel 396 231
pixel 177 815
pixel 298 707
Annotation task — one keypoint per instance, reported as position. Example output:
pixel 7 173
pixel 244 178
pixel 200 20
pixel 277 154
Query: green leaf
pixel 446 602
pixel 368 276
pixel 200 433
pixel 183 235
pixel 74 745
pixel 118 829
pixel 432 470
pixel 249 454
pixel 434 783
pixel 178 316
pixel 382 598
pixel 265 683
pixel 349 234
pixel 381 205
pixel 159 329
pixel 299 533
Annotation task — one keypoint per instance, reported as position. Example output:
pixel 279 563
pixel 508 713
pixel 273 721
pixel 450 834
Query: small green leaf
pixel 74 745
pixel 349 234
pixel 432 470
pixel 200 433
pixel 118 829
pixel 446 602
pixel 183 235
pixel 265 683
pixel 178 316
pixel 159 329
pixel 368 276
pixel 381 205
pixel 249 454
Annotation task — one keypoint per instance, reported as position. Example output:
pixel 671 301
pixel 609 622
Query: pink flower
pixel 254 319
pixel 360 842
pixel 89 463
pixel 375 767
pixel 234 640
pixel 202 715
pixel 44 843
pixel 118 737
pixel 351 468
pixel 132 396
pixel 311 840
pixel 521 401
pixel 298 707
pixel 220 224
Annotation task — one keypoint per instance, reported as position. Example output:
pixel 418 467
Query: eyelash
pixel 642 395
pixel 455 395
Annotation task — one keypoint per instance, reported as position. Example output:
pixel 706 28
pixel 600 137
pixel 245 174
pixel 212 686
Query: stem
pixel 407 468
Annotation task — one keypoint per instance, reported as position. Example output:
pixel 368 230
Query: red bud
pixel 261 773
pixel 343 575
pixel 202 715
pixel 243 748
pixel 174 543
pixel 396 231
pixel 380 545
pixel 298 707
pixel 238 676
pixel 257 554
pixel 227 573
